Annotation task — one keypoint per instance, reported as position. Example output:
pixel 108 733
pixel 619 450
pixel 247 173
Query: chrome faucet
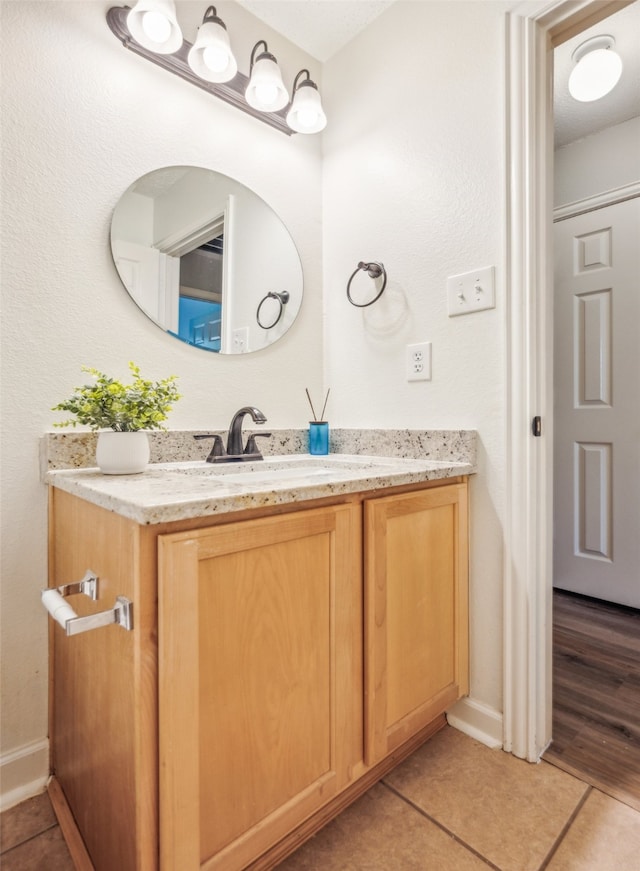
pixel 234 439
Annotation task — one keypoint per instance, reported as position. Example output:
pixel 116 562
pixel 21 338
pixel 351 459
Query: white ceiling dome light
pixel 153 24
pixel 597 71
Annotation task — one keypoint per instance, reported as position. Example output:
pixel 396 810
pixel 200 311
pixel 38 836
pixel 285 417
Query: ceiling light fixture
pixel 266 91
pixel 154 25
pixel 210 57
pixel 306 114
pixel 597 71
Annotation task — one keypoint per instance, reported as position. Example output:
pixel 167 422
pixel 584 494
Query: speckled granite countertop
pixel 77 450
pixel 183 490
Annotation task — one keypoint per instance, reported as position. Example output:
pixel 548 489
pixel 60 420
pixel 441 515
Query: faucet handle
pixel 218 447
pixel 252 447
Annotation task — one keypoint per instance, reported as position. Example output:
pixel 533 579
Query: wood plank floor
pixel 596 694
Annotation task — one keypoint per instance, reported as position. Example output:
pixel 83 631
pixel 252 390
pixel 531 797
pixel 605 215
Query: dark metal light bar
pixel 231 92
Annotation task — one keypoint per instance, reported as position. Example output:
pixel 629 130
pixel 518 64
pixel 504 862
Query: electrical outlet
pixel 240 339
pixel 418 362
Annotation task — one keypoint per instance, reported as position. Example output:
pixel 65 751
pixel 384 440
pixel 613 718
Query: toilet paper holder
pixel 53 600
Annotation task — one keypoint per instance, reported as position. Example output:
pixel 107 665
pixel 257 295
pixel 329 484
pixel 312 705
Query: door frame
pixel 533 29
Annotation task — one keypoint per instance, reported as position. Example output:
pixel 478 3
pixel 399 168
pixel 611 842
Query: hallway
pixel 596 694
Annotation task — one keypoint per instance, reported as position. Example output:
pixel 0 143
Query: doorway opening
pixel 532 31
pixel 596 492
pixel 201 293
pixel 596 317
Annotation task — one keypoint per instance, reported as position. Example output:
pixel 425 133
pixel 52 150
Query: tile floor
pixel 454 805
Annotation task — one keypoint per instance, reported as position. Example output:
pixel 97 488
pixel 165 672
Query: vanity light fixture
pixel 306 114
pixel 597 71
pixel 153 23
pixel 210 57
pixel 151 31
pixel 266 91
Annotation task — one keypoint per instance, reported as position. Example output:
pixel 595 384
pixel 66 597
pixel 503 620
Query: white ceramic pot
pixel 122 453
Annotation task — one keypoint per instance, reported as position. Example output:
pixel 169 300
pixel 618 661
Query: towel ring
pixel 374 270
pixel 283 299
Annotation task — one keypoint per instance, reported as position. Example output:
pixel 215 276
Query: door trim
pixel 598 201
pixel 532 31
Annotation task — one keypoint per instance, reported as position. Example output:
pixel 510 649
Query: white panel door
pixel 152 279
pixel 169 292
pixel 597 404
pixel 139 268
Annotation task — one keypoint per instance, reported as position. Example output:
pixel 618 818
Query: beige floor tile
pixel 27 819
pixel 508 810
pixel 605 836
pixel 380 832
pixel 46 852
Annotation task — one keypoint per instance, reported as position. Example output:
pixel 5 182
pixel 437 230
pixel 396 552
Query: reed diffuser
pixel 318 428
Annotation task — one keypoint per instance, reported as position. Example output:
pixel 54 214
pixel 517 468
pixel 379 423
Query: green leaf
pixel 110 404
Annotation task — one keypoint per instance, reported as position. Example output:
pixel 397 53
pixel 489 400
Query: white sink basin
pixel 273 470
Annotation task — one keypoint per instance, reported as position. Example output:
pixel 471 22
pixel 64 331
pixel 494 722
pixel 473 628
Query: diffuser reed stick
pixel 313 411
pixel 325 404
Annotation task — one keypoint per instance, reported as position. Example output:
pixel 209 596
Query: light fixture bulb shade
pixel 154 25
pixel 596 73
pixel 266 91
pixel 306 114
pixel 210 57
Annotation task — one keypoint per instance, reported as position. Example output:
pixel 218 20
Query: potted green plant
pixel 123 413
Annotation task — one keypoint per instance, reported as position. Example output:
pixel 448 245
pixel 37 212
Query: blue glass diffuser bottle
pixel 318 429
pixel 318 437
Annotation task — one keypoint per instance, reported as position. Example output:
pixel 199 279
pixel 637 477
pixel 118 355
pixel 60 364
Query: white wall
pixel 413 177
pixel 82 119
pixel 413 174
pixel 601 162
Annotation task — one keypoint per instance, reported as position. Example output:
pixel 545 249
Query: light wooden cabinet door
pixel 416 606
pixel 260 681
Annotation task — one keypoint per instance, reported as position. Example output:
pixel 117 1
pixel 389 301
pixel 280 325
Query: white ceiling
pixel 574 120
pixel 323 27
pixel 320 27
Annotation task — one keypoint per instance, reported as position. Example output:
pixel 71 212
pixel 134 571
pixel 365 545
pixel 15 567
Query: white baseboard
pixel 24 772
pixel 478 721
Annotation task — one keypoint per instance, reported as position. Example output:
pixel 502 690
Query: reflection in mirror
pixel 198 252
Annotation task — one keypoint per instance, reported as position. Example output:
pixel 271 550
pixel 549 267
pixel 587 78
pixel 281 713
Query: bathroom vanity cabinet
pixel 264 725
pixel 415 612
pixel 281 661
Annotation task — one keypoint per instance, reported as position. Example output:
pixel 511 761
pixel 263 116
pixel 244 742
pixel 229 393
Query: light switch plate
pixel 471 292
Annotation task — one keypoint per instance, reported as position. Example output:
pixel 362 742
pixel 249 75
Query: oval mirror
pixel 206 259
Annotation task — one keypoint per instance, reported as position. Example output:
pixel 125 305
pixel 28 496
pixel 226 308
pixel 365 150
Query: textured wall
pixel 413 176
pixel 597 163
pixel 82 119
